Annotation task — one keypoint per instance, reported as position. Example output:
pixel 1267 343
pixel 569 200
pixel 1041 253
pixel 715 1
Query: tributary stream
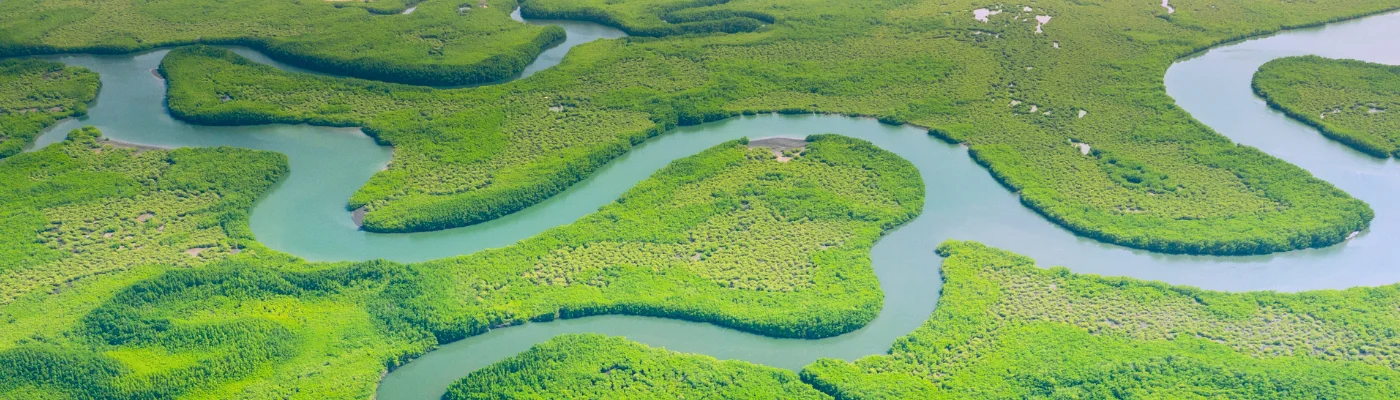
pixel 305 214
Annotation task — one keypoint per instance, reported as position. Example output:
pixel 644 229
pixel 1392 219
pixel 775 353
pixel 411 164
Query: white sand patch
pixel 1041 20
pixel 1373 110
pixel 1027 9
pixel 1082 113
pixel 1166 3
pixel 195 251
pixel 981 14
pixel 410 10
pixel 145 217
pixel 1034 108
pixel 1084 148
pixel 1015 102
pixel 1056 44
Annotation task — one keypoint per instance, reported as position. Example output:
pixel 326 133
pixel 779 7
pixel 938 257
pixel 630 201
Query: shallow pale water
pixel 305 215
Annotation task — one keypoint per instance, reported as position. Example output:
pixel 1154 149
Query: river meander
pixel 305 214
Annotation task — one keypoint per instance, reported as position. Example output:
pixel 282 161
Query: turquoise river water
pixel 305 214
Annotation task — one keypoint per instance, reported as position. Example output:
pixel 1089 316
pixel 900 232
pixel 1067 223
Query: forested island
pixel 131 271
pixel 1354 102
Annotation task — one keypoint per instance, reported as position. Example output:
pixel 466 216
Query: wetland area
pixel 305 214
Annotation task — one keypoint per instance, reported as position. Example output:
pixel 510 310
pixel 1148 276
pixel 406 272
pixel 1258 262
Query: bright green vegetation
pixel 88 207
pixel 440 43
pixel 731 236
pixel 388 7
pixel 1353 102
pixel 451 167
pixel 232 329
pixel 648 18
pixel 602 367
pixel 1006 329
pixel 86 218
pixel 1025 103
pixel 131 274
pixel 35 94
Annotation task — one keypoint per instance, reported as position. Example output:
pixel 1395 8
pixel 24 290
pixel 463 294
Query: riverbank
pixel 978 209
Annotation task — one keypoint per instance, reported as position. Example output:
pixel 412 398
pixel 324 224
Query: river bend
pixel 305 214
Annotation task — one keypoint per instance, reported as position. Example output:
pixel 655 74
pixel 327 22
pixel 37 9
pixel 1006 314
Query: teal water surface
pixel 305 215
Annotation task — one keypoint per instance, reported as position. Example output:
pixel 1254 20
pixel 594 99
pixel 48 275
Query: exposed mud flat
pixel 358 216
pixel 779 146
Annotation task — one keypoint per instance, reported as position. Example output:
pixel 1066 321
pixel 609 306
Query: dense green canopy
pixel 440 43
pixel 1005 329
pixel 1353 102
pixel 89 206
pixel 731 236
pixel 1027 98
pixel 602 367
pixel 35 94
pixel 130 273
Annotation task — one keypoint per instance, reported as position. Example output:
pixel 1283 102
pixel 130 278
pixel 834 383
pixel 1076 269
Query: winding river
pixel 305 214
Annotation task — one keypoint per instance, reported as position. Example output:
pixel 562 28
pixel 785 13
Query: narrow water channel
pixel 305 215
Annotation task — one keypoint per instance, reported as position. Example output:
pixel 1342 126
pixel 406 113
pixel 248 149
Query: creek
pixel 305 214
